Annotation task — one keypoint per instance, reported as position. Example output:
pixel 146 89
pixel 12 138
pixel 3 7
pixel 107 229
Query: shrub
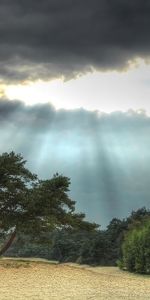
pixel 136 249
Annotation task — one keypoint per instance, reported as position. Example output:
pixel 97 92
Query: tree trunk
pixel 8 243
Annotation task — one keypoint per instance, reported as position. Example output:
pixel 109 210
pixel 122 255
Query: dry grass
pixel 21 280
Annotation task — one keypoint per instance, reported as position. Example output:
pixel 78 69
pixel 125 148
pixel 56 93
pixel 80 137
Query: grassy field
pixel 40 280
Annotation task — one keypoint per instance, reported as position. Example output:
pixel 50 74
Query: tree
pixel 29 205
pixel 93 250
pixel 138 217
pixel 115 235
pixel 16 183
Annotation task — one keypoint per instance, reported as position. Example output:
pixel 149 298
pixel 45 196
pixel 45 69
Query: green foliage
pixel 138 217
pixel 16 183
pixel 136 249
pixel 84 246
pixel 46 224
pixel 64 245
pixel 115 235
pixel 94 250
pixel 33 206
pixel 25 246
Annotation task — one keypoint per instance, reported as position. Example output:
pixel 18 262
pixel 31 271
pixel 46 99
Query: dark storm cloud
pixel 106 156
pixel 51 38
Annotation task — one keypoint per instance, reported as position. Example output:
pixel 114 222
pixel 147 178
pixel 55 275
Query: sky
pixel 75 97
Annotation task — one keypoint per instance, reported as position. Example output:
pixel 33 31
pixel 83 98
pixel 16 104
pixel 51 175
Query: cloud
pixel 52 38
pixel 106 155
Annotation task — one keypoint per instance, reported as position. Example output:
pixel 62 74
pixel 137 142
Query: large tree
pixel 34 206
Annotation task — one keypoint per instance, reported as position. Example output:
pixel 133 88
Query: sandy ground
pixel 42 281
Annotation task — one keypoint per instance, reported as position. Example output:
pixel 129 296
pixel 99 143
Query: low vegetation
pixel 136 249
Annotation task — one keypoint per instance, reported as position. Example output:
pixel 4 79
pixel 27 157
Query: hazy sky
pixel 75 97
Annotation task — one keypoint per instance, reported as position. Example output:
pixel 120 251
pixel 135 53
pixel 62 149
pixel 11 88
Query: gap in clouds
pixel 108 91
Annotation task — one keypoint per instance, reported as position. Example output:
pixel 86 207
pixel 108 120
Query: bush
pixel 136 250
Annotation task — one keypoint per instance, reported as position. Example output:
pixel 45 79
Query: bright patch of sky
pixel 103 91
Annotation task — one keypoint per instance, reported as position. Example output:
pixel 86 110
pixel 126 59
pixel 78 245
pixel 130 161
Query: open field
pixel 41 281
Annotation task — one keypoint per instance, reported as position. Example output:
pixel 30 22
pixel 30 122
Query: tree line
pixel 37 218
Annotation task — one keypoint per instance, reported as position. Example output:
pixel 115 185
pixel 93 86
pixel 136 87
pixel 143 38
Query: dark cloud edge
pixel 11 109
pixel 47 39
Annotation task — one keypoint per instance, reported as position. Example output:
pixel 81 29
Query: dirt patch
pixel 44 281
